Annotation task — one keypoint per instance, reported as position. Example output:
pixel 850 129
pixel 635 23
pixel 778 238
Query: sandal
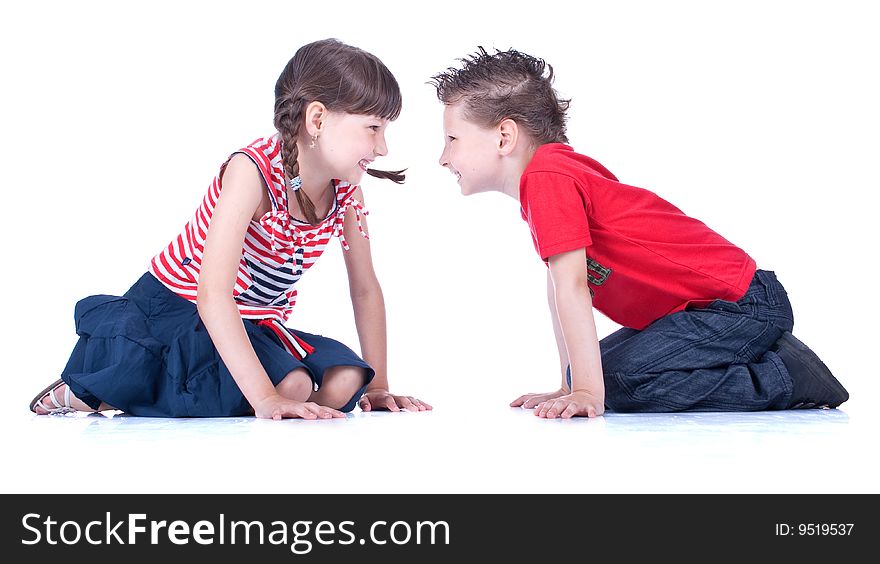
pixel 49 391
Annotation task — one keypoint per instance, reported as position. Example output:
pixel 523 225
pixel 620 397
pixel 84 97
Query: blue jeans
pixel 704 359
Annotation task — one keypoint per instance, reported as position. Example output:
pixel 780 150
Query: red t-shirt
pixel 645 258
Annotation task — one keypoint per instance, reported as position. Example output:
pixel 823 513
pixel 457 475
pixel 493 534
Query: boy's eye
pixel 375 127
pixel 450 137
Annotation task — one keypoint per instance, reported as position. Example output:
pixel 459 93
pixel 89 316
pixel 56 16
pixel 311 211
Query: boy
pixel 703 328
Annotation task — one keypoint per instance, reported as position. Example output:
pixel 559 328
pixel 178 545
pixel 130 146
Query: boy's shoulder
pixel 559 158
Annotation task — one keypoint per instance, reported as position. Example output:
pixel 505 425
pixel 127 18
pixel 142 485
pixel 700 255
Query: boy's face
pixel 470 152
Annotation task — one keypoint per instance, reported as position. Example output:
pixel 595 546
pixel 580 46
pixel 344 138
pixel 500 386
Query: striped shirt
pixel 277 249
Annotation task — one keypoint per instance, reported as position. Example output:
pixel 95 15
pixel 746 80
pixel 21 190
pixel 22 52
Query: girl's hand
pixel 531 400
pixel 278 407
pixel 580 403
pixel 383 400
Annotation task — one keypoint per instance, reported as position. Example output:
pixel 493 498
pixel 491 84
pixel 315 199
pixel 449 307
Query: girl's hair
pixel 506 85
pixel 344 79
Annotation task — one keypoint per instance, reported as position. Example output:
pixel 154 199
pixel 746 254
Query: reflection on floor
pixel 496 450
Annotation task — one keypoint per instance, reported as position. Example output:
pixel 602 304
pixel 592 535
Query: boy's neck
pixel 515 165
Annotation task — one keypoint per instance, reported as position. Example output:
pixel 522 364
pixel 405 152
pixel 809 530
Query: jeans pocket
pixel 724 306
pixel 774 292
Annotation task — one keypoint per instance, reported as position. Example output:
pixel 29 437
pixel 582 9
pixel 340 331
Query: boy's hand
pixel 385 400
pixel 531 400
pixel 278 407
pixel 580 403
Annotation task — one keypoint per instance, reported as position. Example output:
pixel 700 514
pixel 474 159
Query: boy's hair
pixel 344 79
pixel 506 85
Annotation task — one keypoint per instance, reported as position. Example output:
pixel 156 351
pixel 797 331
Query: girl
pixel 202 333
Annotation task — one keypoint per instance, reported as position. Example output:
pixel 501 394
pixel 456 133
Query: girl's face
pixel 349 143
pixel 470 152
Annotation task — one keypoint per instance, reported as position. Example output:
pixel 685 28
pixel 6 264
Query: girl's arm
pixel 241 195
pixel 369 316
pixel 574 307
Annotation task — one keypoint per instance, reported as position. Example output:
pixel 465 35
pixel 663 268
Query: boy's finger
pixel 391 404
pixel 365 403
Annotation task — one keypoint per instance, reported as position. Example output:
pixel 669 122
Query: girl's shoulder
pixel 345 192
pixel 265 152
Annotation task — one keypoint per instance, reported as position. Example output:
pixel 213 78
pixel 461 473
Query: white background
pixel 759 118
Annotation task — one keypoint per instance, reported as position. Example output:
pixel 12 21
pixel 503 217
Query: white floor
pixel 453 449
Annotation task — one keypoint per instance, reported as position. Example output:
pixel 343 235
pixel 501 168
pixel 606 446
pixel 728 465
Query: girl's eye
pixel 450 137
pixel 375 127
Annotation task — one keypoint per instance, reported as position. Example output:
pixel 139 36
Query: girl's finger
pixel 391 404
pixel 315 409
pixel 322 411
pixel 418 404
pixel 569 411
pixel 410 403
pixel 365 403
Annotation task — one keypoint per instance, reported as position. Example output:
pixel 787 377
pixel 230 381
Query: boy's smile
pixel 482 158
pixel 469 152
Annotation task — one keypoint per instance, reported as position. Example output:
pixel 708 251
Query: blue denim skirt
pixel 148 353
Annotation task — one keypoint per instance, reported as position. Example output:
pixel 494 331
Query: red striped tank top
pixel 277 250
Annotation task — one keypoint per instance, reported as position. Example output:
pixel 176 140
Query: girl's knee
pixel 297 385
pixel 339 385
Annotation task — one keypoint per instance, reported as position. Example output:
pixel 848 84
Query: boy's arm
pixel 531 400
pixel 557 332
pixel 574 308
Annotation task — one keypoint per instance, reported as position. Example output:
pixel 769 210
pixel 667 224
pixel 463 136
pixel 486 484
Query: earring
pixel 314 140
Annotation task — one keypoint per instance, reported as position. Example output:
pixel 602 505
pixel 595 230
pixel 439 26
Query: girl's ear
pixel 508 134
pixel 314 116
